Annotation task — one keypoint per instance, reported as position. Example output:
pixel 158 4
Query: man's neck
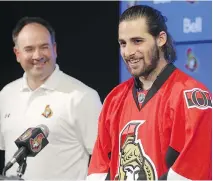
pixel 34 83
pixel 149 80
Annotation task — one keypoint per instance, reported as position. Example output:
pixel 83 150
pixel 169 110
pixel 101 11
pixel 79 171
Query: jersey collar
pixel 162 77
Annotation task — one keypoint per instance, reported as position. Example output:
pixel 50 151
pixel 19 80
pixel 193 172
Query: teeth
pixel 41 62
pixel 135 61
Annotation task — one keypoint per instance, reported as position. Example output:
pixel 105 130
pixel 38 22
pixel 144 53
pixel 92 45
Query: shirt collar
pixel 49 84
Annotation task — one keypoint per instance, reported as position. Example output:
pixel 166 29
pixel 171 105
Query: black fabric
pixel 89 159
pixel 108 175
pixel 171 156
pixel 2 160
pixel 164 176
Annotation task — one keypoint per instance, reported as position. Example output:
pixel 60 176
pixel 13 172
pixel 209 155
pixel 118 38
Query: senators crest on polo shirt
pixel 47 112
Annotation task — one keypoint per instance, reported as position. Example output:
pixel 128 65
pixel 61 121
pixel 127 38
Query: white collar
pixel 49 84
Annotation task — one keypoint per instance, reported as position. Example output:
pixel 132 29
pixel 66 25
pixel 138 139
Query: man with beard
pixel 156 125
pixel 46 95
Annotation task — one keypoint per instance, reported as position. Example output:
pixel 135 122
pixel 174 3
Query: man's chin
pixel 35 73
pixel 136 73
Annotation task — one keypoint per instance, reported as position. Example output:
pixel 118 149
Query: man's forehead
pixel 33 27
pixel 29 37
pixel 133 28
pixel 134 23
pixel 33 43
pixel 130 35
pixel 33 30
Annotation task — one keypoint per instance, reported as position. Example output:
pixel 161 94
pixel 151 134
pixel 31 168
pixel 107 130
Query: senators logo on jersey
pixel 36 143
pixel 134 164
pixel 198 98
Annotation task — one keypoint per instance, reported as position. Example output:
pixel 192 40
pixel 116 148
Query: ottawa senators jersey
pixel 168 137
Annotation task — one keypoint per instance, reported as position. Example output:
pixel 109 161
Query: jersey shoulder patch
pixel 197 98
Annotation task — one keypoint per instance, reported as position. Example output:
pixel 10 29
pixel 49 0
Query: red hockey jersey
pixel 170 136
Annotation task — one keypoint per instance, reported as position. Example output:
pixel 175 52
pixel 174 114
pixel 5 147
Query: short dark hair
pixel 28 20
pixel 156 23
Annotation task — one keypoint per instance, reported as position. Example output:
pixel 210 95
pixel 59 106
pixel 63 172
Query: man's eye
pixel 28 49
pixel 137 41
pixel 122 44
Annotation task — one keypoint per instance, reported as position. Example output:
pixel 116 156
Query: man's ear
pixel 55 49
pixel 16 51
pixel 161 39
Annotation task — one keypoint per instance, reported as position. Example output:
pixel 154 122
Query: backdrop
pixel 190 24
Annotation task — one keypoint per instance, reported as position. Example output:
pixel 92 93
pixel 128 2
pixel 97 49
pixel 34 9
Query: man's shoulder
pixel 185 87
pixel 120 90
pixel 124 85
pixel 12 86
pixel 185 81
pixel 69 84
pixel 189 91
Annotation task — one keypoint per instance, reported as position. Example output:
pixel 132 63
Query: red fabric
pixel 167 119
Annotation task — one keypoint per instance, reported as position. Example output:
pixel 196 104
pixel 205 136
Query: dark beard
pixel 154 61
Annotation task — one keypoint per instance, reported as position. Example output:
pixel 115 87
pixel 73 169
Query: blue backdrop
pixel 190 24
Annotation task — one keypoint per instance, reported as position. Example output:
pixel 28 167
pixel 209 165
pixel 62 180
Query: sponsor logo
pixel 7 115
pixel 191 1
pixel 131 3
pixel 161 2
pixel 192 26
pixel 192 63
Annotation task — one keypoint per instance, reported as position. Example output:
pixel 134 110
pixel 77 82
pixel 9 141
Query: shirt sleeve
pixel 87 112
pixel 2 146
pixel 192 136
